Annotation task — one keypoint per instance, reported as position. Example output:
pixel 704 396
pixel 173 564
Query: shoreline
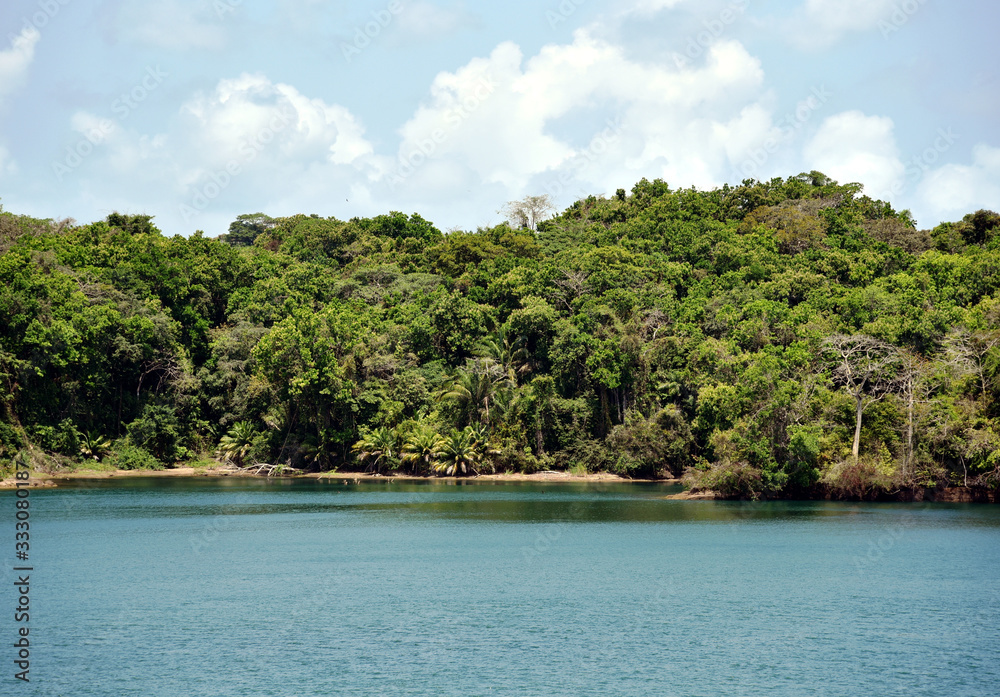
pixel 46 480
pixel 41 480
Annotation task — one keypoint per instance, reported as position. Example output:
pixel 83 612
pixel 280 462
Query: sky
pixel 196 111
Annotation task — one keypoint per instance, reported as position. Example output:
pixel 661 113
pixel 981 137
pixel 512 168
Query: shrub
pixel 729 478
pixel 125 456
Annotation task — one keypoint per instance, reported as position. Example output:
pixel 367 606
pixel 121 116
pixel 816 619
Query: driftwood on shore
pixel 268 469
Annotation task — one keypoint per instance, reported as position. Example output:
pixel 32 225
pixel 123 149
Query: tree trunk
pixel 909 431
pixel 857 430
pixel 605 416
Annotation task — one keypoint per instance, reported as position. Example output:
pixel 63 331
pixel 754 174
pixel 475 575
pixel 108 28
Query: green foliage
pixel 94 446
pixel 459 453
pixel 655 332
pixel 238 442
pixel 247 228
pixel 125 456
pixel 158 431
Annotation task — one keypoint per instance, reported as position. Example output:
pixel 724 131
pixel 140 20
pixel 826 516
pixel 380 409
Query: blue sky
pixel 195 111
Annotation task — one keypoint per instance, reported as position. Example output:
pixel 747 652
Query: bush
pixel 865 478
pixel 125 456
pixel 158 430
pixel 10 440
pixel 62 438
pixel 729 478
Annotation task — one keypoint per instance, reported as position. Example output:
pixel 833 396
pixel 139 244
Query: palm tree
pixel 236 444
pixel 458 453
pixel 377 446
pixel 94 445
pixel 319 449
pixel 481 443
pixel 422 446
pixel 475 388
pixel 507 352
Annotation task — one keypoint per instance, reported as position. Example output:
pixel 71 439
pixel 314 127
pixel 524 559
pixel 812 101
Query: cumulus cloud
pixel 951 191
pixel 14 61
pixel 500 118
pixel 853 147
pixel 241 113
pixel 247 139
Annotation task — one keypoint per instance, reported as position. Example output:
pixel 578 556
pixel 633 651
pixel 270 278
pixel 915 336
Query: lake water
pixel 249 587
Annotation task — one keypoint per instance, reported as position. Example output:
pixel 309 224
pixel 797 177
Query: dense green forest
pixel 770 338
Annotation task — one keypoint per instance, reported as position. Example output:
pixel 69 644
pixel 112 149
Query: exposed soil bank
pixel 952 494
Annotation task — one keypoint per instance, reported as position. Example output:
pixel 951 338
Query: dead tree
pixel 866 367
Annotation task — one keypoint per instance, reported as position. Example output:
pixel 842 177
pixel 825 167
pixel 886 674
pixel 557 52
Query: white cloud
pixel 247 142
pixel 853 147
pixel 14 61
pixel 821 23
pixel 247 113
pixel 953 190
pixel 647 8
pixel 500 118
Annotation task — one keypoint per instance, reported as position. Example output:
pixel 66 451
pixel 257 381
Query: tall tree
pixel 864 366
pixel 529 211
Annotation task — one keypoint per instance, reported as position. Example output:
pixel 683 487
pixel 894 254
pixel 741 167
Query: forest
pixel 768 339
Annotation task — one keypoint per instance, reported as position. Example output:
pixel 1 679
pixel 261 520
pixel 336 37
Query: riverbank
pixel 918 495
pixel 951 494
pixel 40 479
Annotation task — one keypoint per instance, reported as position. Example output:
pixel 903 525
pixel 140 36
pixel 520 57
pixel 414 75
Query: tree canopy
pixel 768 338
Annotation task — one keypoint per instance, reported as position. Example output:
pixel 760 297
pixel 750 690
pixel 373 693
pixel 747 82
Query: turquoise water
pixel 251 587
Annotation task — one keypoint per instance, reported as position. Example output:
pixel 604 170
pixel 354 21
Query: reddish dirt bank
pixel 953 494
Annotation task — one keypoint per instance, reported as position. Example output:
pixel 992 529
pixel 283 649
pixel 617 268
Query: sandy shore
pixel 39 479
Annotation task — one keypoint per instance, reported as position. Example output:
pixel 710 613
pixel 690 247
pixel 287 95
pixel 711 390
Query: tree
pixel 93 445
pixel 475 388
pixel 247 228
pixel 507 352
pixel 237 442
pixel 378 447
pixel 972 350
pixel 422 446
pixel 529 211
pixel 458 453
pixel 913 371
pixel 866 368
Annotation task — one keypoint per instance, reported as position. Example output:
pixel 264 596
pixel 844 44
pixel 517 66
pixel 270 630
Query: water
pixel 248 587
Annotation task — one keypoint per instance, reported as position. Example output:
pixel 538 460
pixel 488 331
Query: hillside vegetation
pixel 771 338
